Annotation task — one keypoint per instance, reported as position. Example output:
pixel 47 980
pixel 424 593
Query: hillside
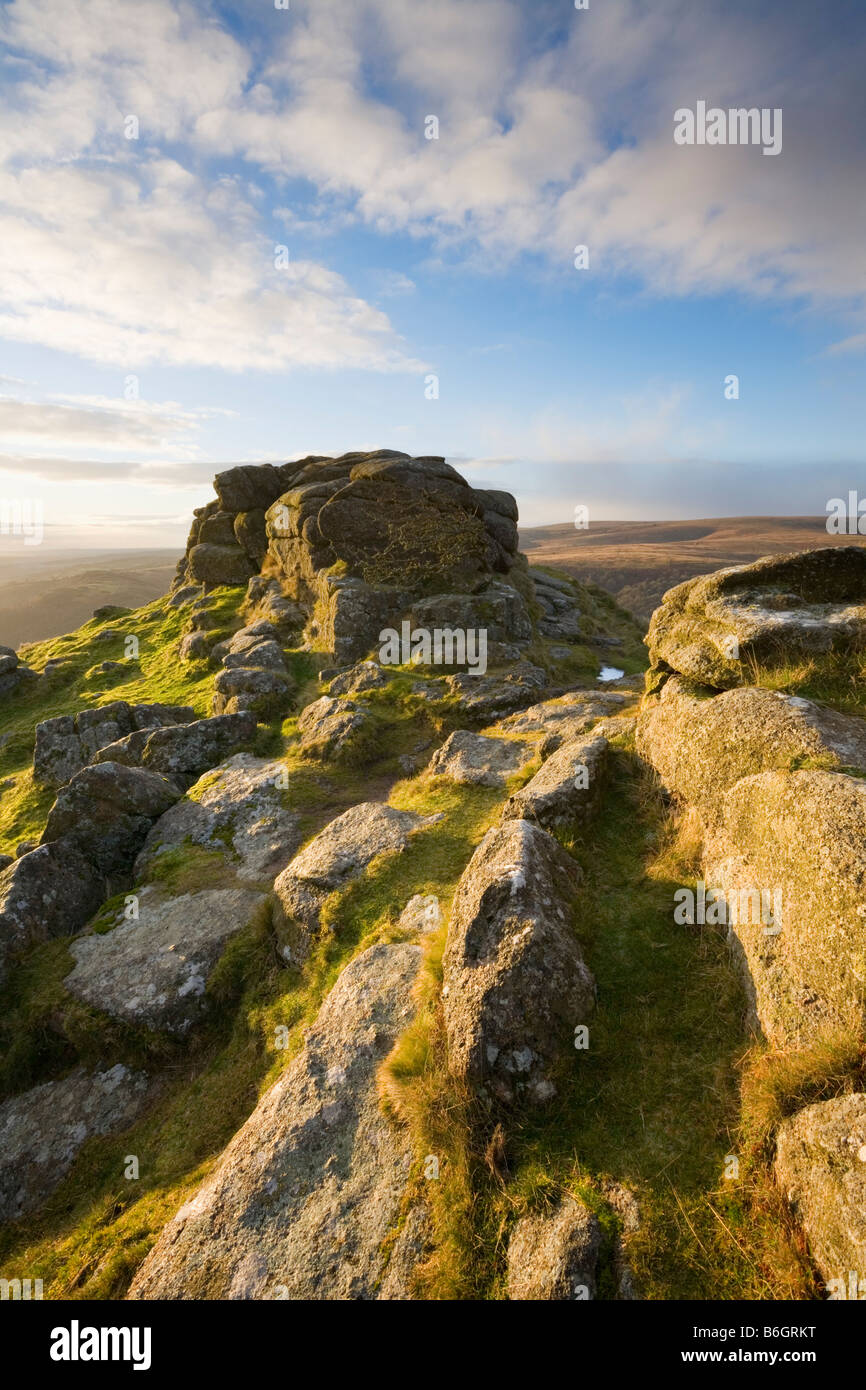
pixel 44 595
pixel 359 940
pixel 637 561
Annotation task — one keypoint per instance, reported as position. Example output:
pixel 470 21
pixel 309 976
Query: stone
pixel 564 717
pixel 515 982
pixel 713 628
pixel 43 1130
pixel 422 913
pixel 301 1203
pixel 52 891
pixel 182 752
pixel 702 743
pixel 330 728
pixel 334 858
pixel 250 690
pixel 475 760
pixel 365 675
pixel 490 697
pixel 153 971
pixel 820 1166
pixel 566 788
pixel 555 1257
pixel 65 744
pixel 801 836
pixel 236 810
pixel 106 812
pixel 216 565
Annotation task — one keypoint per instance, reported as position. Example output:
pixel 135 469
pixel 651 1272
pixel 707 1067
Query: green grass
pixel 835 678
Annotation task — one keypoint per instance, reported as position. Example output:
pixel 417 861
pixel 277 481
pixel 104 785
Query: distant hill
pixel 637 561
pixel 44 596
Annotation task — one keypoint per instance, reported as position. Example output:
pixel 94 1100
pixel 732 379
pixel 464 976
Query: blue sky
pixel 148 264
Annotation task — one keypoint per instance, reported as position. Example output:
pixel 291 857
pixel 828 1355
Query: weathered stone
pixel 365 675
pixel 422 913
pixel 300 1204
pixel 52 891
pixel 153 971
pixel 334 858
pixel 516 985
pixel 702 744
pixel 42 1131
pixel 218 529
pixel 564 717
pixel 331 728
pixel 807 604
pixel 555 1257
pixel 801 836
pixel 252 690
pixel 475 760
pixel 236 810
pixel 821 1168
pixel 566 788
pixel 491 697
pixel 183 752
pixel 106 812
pixel 214 565
pixel 67 743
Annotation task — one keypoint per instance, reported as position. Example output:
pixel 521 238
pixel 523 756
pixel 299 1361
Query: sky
pixel 225 237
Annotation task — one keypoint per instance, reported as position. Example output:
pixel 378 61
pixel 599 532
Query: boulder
pixel 236 810
pixel 564 717
pixel 516 985
pixel 702 743
pixel 715 627
pixel 301 1203
pixel 490 697
pixel 475 760
pixel 153 971
pixel 330 728
pixel 252 690
pixel 182 752
pixel 52 891
pixel 422 913
pixel 43 1130
pixel 789 853
pixel 106 812
pixel 365 675
pixel 216 565
pixel 566 788
pixel 554 1257
pixel 820 1166
pixel 334 858
pixel 66 744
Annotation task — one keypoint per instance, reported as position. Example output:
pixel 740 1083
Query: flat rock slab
pixel 236 810
pixel 153 972
pixel 475 760
pixel 490 697
pixel 554 1257
pixel 821 1168
pixel 564 717
pixel 566 788
pixel 701 744
pixel 303 1198
pixel 516 985
pixel 332 860
pixel 42 1131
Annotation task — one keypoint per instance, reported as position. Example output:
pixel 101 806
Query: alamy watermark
pixel 24 519
pixel 719 907
pixel 846 517
pixel 737 126
pixel 443 646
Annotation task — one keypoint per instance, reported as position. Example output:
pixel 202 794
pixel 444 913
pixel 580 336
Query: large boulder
pixel 302 1201
pixel 43 1130
pixel 701 743
pixel 216 565
pixel 715 627
pixel 65 744
pixel 152 971
pixel 106 812
pixel 238 811
pixel 516 985
pixel 789 854
pixel 821 1168
pixel 52 891
pixel 337 856
pixel 330 728
pixel 566 788
pixel 554 1257
pixel 182 752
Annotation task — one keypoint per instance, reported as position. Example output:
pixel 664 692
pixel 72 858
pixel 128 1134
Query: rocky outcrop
pixel 13 672
pixel 254 676
pixel 702 743
pixel 51 891
pixel 236 811
pixel 152 970
pixel 796 841
pixel 566 789
pixel 713 628
pixel 821 1167
pixel 302 1201
pixel 331 861
pixel 554 1257
pixel 475 760
pixel 516 985
pixel 42 1131
pixel 106 811
pixel 561 618
pixel 68 743
pixel 182 752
